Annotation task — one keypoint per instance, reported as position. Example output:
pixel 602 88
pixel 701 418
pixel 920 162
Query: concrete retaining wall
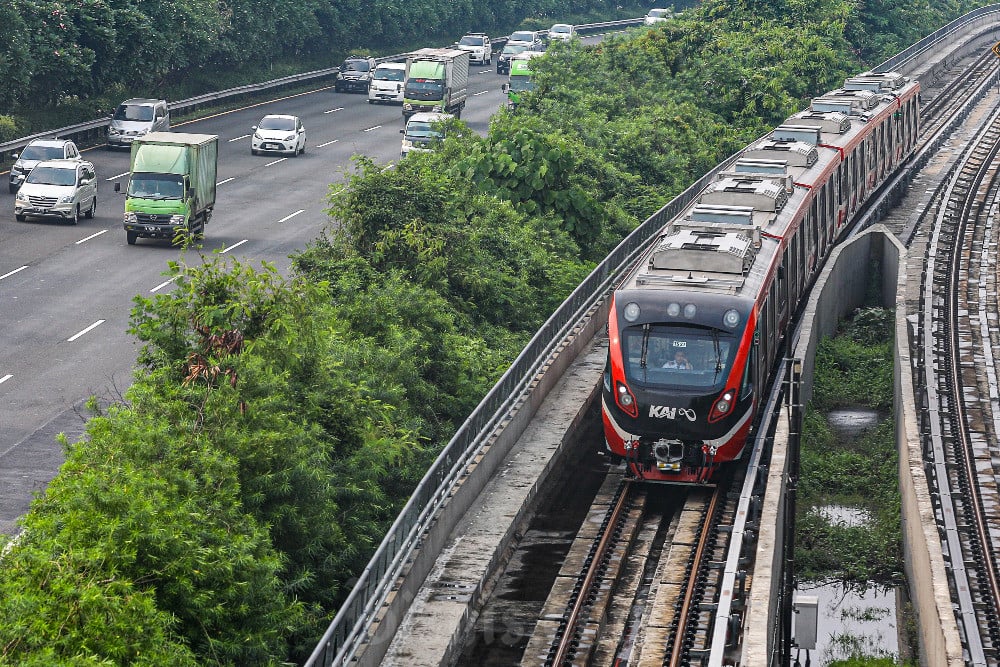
pixel 839 290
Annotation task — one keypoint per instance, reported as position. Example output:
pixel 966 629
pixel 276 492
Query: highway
pixel 66 291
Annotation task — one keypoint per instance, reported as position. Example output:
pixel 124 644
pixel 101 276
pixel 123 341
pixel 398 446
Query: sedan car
pixel 657 15
pixel 278 134
pixel 562 31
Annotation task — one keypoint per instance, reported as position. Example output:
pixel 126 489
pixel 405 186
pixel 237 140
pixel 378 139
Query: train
pixel 696 324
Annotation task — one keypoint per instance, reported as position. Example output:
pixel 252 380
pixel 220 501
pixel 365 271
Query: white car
pixel 525 37
pixel 64 189
pixel 657 15
pixel 278 134
pixel 387 83
pixel 562 31
pixel 422 132
pixel 479 47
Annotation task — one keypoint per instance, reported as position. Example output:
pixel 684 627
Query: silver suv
pixel 64 189
pixel 479 47
pixel 137 117
pixel 35 152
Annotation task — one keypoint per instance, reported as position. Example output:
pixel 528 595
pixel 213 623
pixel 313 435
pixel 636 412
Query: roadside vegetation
pixel 217 515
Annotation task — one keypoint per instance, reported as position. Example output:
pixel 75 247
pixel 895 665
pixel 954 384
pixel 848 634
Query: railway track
pixel 961 416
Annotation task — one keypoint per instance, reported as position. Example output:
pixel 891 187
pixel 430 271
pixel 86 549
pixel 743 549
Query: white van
pixel 422 132
pixel 387 83
pixel 64 189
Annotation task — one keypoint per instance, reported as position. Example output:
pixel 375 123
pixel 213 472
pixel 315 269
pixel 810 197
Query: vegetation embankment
pixel 276 425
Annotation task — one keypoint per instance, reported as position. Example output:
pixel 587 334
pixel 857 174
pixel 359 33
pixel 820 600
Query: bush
pixel 9 130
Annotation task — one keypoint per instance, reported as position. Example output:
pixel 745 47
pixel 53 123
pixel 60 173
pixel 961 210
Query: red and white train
pixel 696 325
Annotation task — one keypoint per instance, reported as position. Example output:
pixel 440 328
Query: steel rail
pixel 592 574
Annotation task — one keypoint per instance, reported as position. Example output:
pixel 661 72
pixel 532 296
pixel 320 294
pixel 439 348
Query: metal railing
pixel 92 129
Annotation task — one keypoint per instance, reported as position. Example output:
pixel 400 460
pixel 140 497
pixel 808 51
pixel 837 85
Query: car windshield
pixel 389 74
pixel 42 153
pixel 275 123
pixel 425 86
pixel 658 13
pixel 562 29
pixel 511 49
pixel 156 186
pixel 421 129
pixel 468 40
pixel 52 176
pixel 522 36
pixel 133 112
pixel 520 84
pixel 691 357
pixel 356 66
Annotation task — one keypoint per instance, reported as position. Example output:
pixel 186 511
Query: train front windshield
pixel 682 357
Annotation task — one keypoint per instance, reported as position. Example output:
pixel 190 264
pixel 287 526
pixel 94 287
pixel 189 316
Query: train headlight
pixel 731 318
pixel 690 310
pixel 626 401
pixel 631 312
pixel 722 406
pixel 674 309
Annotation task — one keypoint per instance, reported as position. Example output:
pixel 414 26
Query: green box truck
pixel 520 78
pixel 437 80
pixel 171 187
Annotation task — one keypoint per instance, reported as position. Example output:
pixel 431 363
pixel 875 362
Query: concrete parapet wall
pixel 841 288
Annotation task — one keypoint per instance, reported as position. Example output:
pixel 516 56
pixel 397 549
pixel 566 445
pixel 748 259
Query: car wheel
pixel 93 208
pixel 130 237
pixel 253 151
pixel 76 216
pixel 19 217
pixel 303 151
pixel 13 188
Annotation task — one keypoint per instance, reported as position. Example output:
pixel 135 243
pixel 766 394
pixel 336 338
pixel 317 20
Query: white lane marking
pixel 92 236
pixel 327 143
pixel 163 284
pixel 481 92
pixel 91 327
pixel 235 245
pixel 372 128
pixel 276 161
pixel 225 181
pixel 115 177
pixel 289 217
pixel 332 110
pixel 244 136
pixel 7 275
pixel 5 378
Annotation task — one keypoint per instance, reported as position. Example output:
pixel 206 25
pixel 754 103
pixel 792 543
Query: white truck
pixel 437 80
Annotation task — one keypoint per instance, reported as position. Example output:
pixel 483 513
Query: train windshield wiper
pixel 718 355
pixel 645 349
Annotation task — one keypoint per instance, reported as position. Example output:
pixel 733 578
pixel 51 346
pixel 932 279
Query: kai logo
pixel 666 412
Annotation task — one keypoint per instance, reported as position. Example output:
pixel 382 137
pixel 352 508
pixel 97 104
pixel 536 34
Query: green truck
pixel 520 79
pixel 171 186
pixel 437 80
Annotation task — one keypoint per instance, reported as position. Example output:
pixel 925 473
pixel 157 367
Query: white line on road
pixel 92 236
pixel 481 92
pixel 332 110
pixel 372 128
pixel 118 176
pixel 163 284
pixel 327 143
pixel 289 217
pixel 276 161
pixel 10 273
pixel 5 378
pixel 225 181
pixel 235 245
pixel 92 326
pixel 238 138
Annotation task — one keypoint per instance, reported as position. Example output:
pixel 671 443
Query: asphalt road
pixel 66 291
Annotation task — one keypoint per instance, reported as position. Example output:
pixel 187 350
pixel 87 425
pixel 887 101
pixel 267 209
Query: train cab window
pixel 680 356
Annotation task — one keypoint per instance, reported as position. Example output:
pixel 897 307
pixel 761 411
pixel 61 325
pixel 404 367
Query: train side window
pixel 750 371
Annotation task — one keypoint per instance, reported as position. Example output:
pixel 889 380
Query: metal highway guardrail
pixel 94 128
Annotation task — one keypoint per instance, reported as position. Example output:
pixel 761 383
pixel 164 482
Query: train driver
pixel 679 361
